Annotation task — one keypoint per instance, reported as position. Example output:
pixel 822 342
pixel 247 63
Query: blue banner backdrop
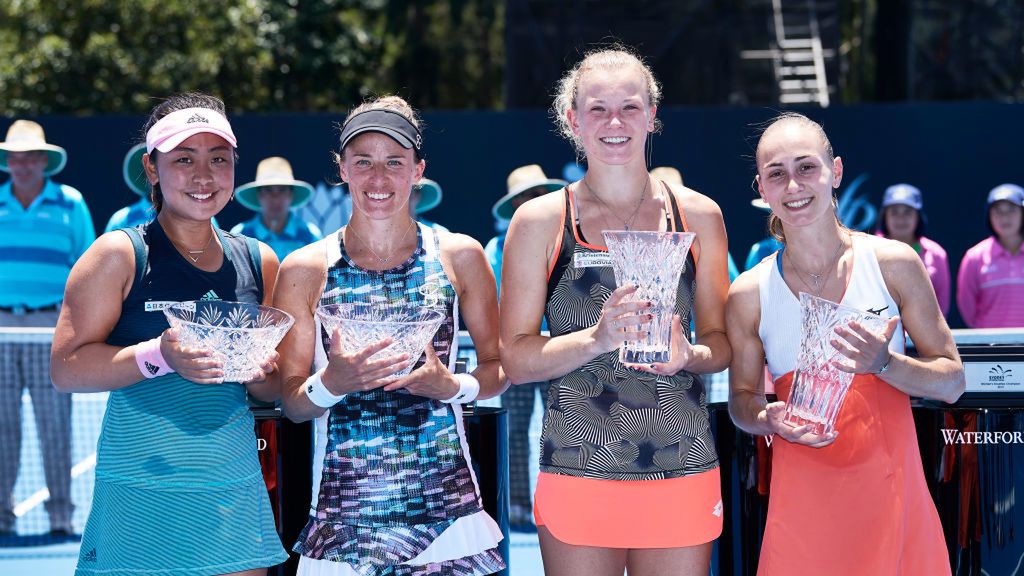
pixel 954 152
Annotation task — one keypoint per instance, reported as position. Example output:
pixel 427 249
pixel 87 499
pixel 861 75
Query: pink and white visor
pixel 178 126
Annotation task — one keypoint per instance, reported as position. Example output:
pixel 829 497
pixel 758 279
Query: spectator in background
pixel 44 228
pixel 523 184
pixel 990 285
pixel 135 177
pixel 426 195
pixel 902 218
pixel 276 196
pixel 765 247
pixel 674 179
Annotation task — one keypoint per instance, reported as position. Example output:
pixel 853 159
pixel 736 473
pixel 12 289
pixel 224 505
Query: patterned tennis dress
pixel 627 457
pixel 393 487
pixel 605 420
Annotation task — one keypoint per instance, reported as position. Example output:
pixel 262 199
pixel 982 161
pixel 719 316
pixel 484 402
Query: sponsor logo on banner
pixel 954 436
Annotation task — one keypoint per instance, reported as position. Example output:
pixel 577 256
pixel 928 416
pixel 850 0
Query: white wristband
pixel 318 393
pixel 469 389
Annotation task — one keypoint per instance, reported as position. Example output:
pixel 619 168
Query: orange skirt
pixel 671 513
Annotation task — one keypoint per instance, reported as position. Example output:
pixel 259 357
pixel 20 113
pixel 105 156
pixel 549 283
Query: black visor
pixel 386 122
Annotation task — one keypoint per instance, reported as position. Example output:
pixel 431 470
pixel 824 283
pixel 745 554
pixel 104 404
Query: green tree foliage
pixel 114 56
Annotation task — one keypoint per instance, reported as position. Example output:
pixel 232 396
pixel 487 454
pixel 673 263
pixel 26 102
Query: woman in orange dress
pixel 853 501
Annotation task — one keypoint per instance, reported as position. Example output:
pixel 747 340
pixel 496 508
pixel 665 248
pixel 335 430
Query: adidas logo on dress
pixel 89 556
pixel 211 295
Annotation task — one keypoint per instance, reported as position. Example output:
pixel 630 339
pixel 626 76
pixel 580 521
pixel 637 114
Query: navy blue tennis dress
pixel 178 484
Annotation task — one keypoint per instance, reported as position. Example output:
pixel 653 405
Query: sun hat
pixel 273 171
pixel 520 180
pixel 133 172
pixel 430 195
pixel 28 136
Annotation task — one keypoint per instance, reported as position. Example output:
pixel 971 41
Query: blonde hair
pixel 774 222
pixel 613 58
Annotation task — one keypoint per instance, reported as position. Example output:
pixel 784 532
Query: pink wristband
pixel 150 360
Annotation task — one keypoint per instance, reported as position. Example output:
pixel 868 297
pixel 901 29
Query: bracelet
pixel 150 360
pixel 885 366
pixel 318 393
pixel 469 389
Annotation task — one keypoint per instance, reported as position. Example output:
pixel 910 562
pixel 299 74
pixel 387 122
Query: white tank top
pixel 780 308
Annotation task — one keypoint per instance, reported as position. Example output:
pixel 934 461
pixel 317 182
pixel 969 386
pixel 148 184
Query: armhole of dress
pixel 678 219
pixel 332 248
pixel 566 247
pixel 431 242
pixel 764 291
pixel 561 235
pixel 141 250
pixel 255 265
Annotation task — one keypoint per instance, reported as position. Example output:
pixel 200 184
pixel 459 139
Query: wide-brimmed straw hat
pixel 28 136
pixel 430 195
pixel 273 171
pixel 520 180
pixel 133 172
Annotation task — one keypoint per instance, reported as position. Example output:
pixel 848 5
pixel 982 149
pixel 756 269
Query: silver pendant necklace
pixel 628 224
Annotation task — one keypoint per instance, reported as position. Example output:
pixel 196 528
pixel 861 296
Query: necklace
pixel 636 209
pixel 189 253
pixel 374 252
pixel 818 280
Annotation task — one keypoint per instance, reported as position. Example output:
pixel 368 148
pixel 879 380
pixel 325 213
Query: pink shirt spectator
pixel 990 286
pixel 937 265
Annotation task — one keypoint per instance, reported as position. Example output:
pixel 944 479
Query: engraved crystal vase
pixel 240 334
pixel 653 262
pixel 410 326
pixel 819 387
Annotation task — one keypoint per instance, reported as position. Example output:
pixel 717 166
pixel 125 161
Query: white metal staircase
pixel 797 55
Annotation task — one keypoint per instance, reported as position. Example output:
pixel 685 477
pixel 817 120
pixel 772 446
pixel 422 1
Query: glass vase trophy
pixel 653 262
pixel 819 387
pixel 240 334
pixel 410 326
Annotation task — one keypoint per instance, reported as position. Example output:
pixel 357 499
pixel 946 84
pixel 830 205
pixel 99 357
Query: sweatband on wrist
pixel 469 389
pixel 150 360
pixel 318 393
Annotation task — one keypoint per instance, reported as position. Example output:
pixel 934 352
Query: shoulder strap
pixel 141 251
pixel 256 263
pixel 566 246
pixel 678 219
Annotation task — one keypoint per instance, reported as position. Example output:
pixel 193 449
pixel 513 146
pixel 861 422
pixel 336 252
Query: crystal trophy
pixel 653 262
pixel 409 326
pixel 819 387
pixel 239 334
